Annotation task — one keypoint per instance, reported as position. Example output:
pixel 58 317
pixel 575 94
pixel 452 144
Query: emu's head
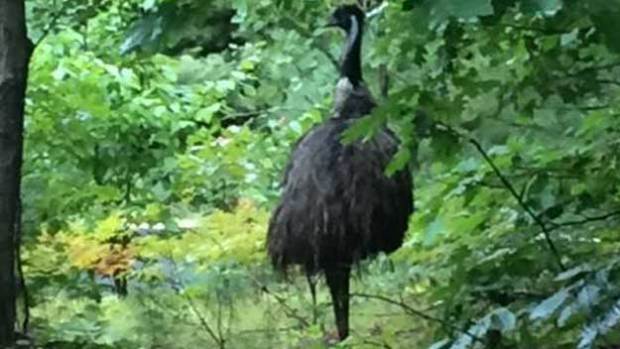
pixel 347 17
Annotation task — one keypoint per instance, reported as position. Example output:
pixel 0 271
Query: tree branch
pixel 259 112
pixel 177 286
pixel 203 322
pixel 290 311
pixel 417 313
pixel 545 230
pixel 594 69
pixel 264 330
pixel 608 82
pixel 49 27
pixel 584 221
pixel 376 344
pixel 540 30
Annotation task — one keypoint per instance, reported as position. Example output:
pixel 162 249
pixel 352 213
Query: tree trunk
pixel 14 56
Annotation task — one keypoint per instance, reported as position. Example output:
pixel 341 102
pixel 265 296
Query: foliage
pixel 157 131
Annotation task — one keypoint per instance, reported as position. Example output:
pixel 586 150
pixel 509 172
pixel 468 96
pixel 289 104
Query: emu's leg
pixel 338 283
pixel 312 284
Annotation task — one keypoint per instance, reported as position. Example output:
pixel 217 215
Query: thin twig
pixel 265 330
pixel 205 325
pixel 174 312
pixel 177 286
pixel 50 26
pixel 540 30
pixel 586 220
pixel 546 231
pixel 580 108
pixel 259 112
pixel 594 69
pixel 219 317
pixel 608 82
pixel 522 203
pixel 383 345
pixel 290 311
pixel 416 312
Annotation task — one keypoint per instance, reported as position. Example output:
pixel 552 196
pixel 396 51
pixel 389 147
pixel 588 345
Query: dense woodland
pixel 157 132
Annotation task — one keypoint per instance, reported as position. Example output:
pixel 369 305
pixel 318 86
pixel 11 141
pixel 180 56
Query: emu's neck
pixel 351 67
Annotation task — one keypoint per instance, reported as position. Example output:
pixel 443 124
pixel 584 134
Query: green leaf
pixel 440 345
pixel 503 320
pixel 566 314
pixel 547 307
pixel 587 337
pixel 588 296
pixel 606 17
pixel 206 114
pixel 547 7
pixel 363 128
pixel 399 161
pixel 600 326
pixel 433 231
pixel 146 31
pixel 443 9
pixel 570 273
pixel 160 192
pixel 480 329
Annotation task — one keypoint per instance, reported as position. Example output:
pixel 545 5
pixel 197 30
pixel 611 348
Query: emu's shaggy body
pixel 337 205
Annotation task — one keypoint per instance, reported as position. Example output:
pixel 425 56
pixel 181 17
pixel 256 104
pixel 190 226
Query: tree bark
pixel 14 57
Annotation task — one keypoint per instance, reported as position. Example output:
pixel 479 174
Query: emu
pixel 337 206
